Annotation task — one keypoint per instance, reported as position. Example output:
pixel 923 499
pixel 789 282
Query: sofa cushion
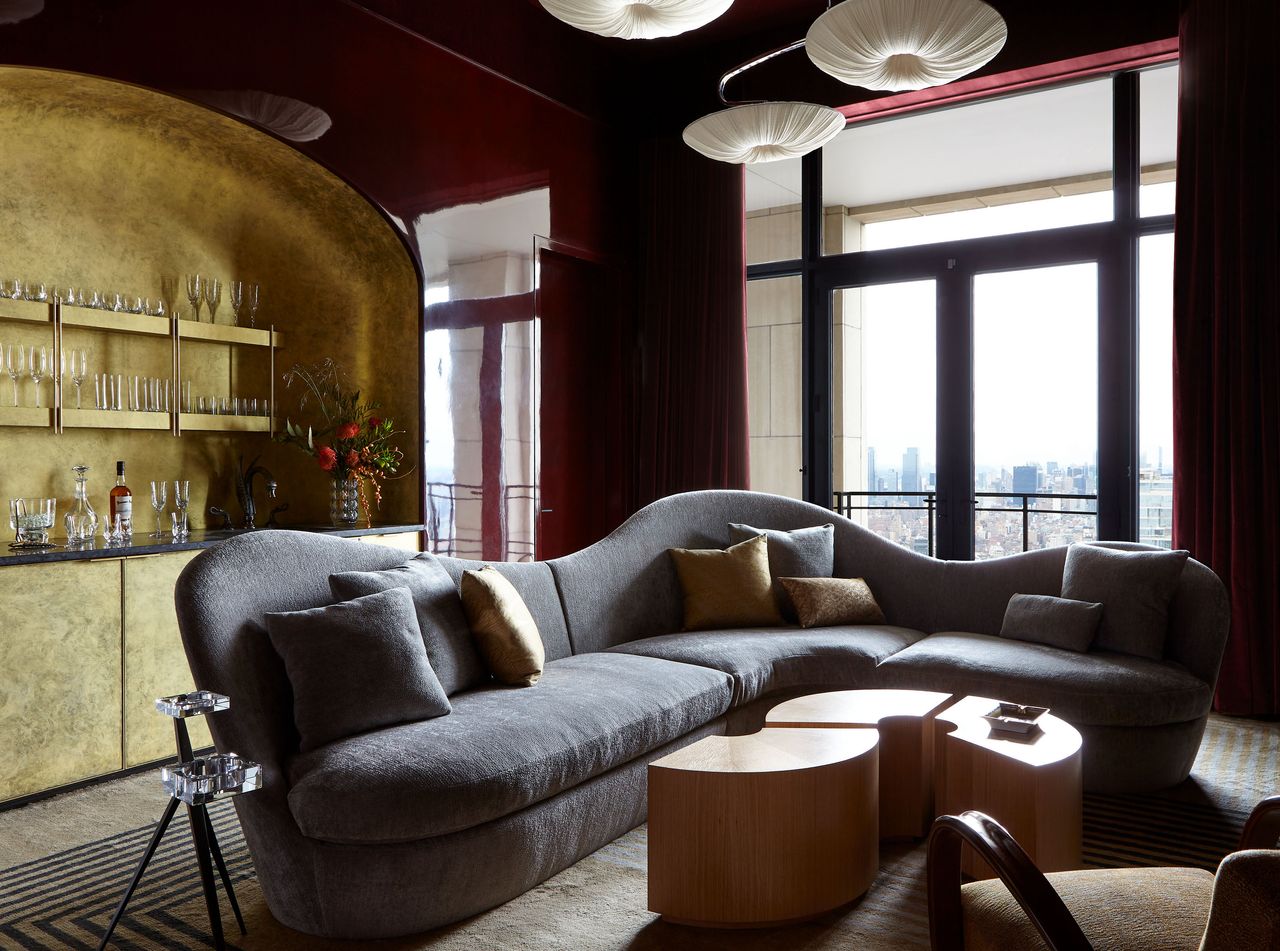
pixel 500 750
pixel 823 602
pixel 803 553
pixel 536 586
pixel 1135 588
pixel 1097 688
pixel 729 588
pixel 504 629
pixel 762 660
pixel 1058 622
pixel 435 596
pixel 356 666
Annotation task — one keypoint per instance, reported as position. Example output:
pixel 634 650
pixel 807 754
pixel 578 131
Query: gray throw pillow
pixel 803 553
pixel 1058 622
pixel 450 647
pixel 356 666
pixel 1135 588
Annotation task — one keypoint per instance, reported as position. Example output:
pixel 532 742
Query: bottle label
pixel 124 508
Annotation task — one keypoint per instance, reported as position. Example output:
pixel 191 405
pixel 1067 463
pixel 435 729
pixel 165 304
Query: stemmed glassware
pixel 213 297
pixel 195 293
pixel 181 499
pixel 237 300
pixel 159 499
pixel 251 301
pixel 38 367
pixel 16 364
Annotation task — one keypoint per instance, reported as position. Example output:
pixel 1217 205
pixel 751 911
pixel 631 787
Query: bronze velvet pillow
pixel 729 588
pixel 1135 588
pixel 356 666
pixel 450 648
pixel 821 602
pixel 803 553
pixel 1058 622
pixel 503 628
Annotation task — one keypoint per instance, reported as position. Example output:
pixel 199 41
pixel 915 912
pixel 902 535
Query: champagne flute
pixel 213 297
pixel 237 300
pixel 79 370
pixel 251 301
pixel 16 364
pixel 159 499
pixel 38 367
pixel 195 293
pixel 181 499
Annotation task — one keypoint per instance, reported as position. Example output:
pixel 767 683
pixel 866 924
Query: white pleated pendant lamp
pixel 902 45
pixel 763 131
pixel 636 19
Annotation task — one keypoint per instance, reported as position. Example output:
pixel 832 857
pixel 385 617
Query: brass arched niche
pixel 113 186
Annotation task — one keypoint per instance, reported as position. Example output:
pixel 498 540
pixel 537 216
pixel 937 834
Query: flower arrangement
pixel 350 441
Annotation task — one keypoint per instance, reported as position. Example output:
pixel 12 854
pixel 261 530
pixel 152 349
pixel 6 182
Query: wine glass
pixel 38 367
pixel 195 293
pixel 181 499
pixel 159 499
pixel 79 370
pixel 251 301
pixel 237 300
pixel 213 297
pixel 16 292
pixel 16 364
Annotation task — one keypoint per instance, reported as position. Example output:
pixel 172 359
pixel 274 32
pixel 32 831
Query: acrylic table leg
pixel 165 819
pixel 200 838
pixel 222 870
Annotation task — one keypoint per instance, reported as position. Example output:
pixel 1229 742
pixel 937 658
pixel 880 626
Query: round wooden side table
pixel 766 829
pixel 1031 785
pixel 904 720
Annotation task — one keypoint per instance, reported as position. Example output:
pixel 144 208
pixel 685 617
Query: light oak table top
pixel 1056 740
pixel 769 751
pixel 852 708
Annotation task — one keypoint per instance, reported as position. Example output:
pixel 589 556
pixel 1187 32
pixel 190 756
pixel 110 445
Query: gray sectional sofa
pixel 409 827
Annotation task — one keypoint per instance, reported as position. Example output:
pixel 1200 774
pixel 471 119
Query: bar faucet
pixel 244 490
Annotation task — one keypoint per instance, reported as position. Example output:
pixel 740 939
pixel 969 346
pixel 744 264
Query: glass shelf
pixel 114 419
pixel 23 415
pixel 224 333
pixel 115 322
pixel 215 423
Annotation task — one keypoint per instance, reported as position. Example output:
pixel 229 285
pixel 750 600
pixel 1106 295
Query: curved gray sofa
pixel 414 826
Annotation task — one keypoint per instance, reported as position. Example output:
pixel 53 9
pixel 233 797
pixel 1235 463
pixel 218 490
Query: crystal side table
pixel 195 782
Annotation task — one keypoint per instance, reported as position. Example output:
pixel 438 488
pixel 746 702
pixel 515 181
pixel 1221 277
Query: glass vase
pixel 344 502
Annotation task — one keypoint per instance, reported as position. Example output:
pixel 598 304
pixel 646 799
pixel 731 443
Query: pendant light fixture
pixel 905 44
pixel 636 19
pixel 751 132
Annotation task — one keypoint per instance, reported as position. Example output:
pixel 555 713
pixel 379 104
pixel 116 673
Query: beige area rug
pixel 65 862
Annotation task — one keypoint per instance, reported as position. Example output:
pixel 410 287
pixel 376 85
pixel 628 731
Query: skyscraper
pixel 872 484
pixel 911 470
pixel 1026 479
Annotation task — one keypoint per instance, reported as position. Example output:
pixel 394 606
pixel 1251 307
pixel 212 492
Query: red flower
pixel 327 458
pixel 374 422
pixel 348 430
pixel 353 459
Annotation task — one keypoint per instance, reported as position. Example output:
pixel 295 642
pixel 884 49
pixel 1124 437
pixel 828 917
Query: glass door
pixel 1035 408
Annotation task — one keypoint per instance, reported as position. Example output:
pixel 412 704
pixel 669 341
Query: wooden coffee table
pixel 767 829
pixel 904 720
pixel 1031 787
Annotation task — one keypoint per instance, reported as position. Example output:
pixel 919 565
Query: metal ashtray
pixel 1014 718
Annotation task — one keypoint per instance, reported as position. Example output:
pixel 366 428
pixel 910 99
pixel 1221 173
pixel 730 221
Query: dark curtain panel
pixel 1226 346
pixel 693 335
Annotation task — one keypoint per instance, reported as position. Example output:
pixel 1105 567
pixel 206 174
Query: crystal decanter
pixel 81 522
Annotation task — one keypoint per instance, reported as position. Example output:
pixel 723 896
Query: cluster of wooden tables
pixel 785 824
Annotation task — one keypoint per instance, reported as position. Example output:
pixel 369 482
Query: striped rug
pixel 64 901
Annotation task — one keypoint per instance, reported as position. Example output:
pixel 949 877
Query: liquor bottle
pixel 122 501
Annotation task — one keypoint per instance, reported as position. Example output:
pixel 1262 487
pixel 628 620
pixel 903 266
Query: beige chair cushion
pixel 1118 909
pixel 505 631
pixel 823 602
pixel 730 588
pixel 1246 902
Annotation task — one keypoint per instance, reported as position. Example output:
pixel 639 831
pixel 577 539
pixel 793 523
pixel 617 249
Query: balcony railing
pixel 846 503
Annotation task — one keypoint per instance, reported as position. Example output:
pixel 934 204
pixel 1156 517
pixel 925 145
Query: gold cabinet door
pixel 59 674
pixel 155 664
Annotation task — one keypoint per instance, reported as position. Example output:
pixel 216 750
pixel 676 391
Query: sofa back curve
pixel 624 587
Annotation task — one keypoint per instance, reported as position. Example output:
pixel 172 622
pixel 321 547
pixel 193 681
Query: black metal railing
pixel 846 503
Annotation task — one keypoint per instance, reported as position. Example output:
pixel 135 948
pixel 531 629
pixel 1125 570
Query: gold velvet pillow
pixel 730 588
pixel 821 602
pixel 503 628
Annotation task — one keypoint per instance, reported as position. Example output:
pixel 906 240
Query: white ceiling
pixel 1037 136
pixel 470 232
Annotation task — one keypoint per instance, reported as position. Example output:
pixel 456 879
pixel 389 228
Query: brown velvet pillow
pixel 504 629
pixel 822 602
pixel 730 588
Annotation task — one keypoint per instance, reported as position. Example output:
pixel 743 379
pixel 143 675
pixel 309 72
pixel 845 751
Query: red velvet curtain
pixel 692 316
pixel 1226 345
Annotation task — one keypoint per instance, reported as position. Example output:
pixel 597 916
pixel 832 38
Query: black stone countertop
pixel 144 544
